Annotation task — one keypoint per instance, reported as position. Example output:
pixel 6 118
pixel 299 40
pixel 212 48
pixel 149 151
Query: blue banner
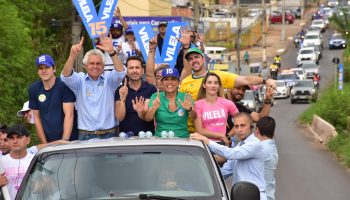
pixel 340 77
pixel 143 33
pixel 171 45
pixel 96 25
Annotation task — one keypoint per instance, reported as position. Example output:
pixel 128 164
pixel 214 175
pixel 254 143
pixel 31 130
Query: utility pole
pixel 264 30
pixel 196 14
pixel 302 8
pixel 283 34
pixel 238 36
pixel 76 30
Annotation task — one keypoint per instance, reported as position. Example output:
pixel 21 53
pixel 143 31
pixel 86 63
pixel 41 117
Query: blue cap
pixel 116 25
pixel 129 30
pixel 170 72
pixel 46 60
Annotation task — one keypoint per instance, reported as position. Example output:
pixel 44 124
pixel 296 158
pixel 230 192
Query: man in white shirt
pixel 265 132
pixel 18 160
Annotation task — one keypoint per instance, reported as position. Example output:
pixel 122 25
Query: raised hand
pixel 138 104
pixel 75 49
pixel 106 43
pixel 123 91
pixel 271 83
pixel 156 101
pixel 153 43
pixel 187 103
pixel 117 12
pixel 185 37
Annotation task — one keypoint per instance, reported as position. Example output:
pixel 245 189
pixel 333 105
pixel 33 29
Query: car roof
pixel 307 48
pixel 120 142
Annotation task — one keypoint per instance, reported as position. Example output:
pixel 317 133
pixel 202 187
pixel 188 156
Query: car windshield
pixel 317 22
pixel 103 173
pixel 306 51
pixel 288 76
pixel 337 37
pixel 311 37
pixel 280 84
pixel 309 66
pixel 304 84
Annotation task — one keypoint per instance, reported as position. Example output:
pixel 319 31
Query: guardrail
pixel 322 130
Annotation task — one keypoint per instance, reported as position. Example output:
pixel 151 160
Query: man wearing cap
pixel 26 113
pixel 95 89
pixel 131 99
pixel 116 29
pixel 191 84
pixel 52 103
pixel 161 35
pixel 18 160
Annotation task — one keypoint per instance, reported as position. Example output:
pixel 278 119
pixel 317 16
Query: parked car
pixel 303 90
pixel 251 101
pixel 282 90
pixel 307 54
pixel 254 12
pixel 156 168
pixel 336 41
pixel 319 23
pixel 276 17
pixel 310 69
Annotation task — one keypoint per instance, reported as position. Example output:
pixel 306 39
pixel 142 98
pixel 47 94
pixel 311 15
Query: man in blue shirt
pixel 131 99
pixel 246 160
pixel 95 89
pixel 52 103
pixel 265 132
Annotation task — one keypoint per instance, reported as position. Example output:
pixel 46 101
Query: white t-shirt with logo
pixel 15 170
pixel 128 52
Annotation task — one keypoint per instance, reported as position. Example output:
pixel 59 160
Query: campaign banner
pixel 340 77
pixel 96 25
pixel 171 46
pixel 143 33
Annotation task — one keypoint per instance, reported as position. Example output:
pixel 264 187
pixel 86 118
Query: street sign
pixel 340 77
pixel 336 60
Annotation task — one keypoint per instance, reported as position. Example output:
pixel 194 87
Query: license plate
pixel 302 97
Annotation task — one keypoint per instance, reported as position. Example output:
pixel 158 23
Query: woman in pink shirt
pixel 213 109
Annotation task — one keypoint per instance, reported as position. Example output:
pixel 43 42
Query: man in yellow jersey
pixel 191 84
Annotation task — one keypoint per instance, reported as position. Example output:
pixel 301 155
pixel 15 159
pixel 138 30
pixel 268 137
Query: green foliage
pixel 341 146
pixel 26 32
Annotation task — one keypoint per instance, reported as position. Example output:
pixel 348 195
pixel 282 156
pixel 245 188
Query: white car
pixel 313 38
pixel 328 11
pixel 282 90
pixel 254 12
pixel 333 3
pixel 319 23
pixel 299 72
pixel 307 54
pixel 310 69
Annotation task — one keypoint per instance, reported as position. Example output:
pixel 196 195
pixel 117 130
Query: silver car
pixel 117 168
pixel 251 101
pixel 303 90
pixel 310 69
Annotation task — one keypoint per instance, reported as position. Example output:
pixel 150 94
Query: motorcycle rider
pixel 316 79
pixel 274 70
pixel 277 60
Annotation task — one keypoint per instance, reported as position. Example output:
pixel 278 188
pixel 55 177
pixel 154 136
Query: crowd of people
pixel 120 92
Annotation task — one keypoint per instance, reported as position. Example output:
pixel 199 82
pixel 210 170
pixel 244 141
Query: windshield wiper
pixel 157 197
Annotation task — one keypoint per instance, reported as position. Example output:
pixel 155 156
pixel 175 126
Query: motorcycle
pixel 278 63
pixel 296 41
pixel 273 72
pixel 316 83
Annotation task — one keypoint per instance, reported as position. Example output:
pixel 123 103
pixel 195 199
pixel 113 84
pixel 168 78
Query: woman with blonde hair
pixel 213 109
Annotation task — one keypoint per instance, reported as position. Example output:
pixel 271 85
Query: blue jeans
pixel 88 136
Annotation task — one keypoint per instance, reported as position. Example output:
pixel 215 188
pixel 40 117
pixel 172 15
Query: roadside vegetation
pixel 334 105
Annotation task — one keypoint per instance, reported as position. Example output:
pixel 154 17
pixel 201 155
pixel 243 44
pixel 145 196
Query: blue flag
pixel 171 45
pixel 96 25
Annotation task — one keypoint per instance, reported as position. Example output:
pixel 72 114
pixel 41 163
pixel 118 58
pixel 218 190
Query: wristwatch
pixel 268 102
pixel 113 54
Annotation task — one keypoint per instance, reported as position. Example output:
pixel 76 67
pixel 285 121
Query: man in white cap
pixel 52 103
pixel 26 113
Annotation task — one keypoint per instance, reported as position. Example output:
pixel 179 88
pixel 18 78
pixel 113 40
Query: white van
pixel 313 38
pixel 219 56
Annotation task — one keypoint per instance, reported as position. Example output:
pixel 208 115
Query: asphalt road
pixel 305 169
